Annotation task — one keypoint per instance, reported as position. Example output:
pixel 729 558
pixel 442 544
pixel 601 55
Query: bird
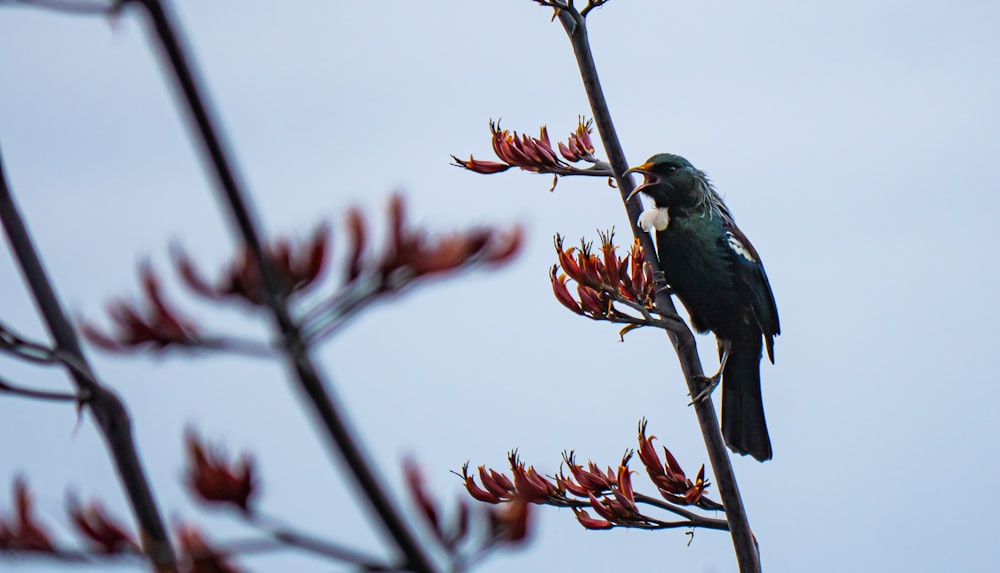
pixel 710 265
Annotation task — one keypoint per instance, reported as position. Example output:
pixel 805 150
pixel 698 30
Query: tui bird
pixel 716 273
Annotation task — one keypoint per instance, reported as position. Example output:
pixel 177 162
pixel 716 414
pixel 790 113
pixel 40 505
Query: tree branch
pixel 71 7
pixel 109 412
pixel 574 24
pixel 9 388
pixel 296 349
pixel 284 534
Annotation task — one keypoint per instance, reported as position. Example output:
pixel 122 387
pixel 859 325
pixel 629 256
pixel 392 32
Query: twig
pixel 574 24
pixel 71 7
pixel 25 349
pixel 310 382
pixel 38 394
pixel 234 548
pixel 330 315
pixel 674 508
pixel 110 414
pixel 284 534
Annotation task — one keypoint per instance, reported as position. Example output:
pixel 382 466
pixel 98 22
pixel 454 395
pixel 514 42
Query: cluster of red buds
pixel 506 525
pixel 216 480
pixel 411 253
pixel 527 484
pixel 605 281
pixel 154 324
pixel 669 478
pixel 297 265
pixel 22 531
pixel 608 492
pixel 535 154
pixel 102 531
pixel 408 254
pixel 198 556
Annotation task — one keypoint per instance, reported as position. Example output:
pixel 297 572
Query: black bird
pixel 716 273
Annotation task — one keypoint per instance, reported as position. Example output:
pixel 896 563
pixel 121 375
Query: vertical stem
pixel 112 418
pixel 682 340
pixel 310 381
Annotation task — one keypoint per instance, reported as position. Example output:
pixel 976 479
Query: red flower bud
pixel 99 528
pixel 214 480
pixel 480 166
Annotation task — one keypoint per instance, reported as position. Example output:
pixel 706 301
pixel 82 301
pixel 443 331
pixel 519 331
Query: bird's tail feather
pixel 743 423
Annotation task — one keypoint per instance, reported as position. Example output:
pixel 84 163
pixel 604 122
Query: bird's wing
pixel 751 275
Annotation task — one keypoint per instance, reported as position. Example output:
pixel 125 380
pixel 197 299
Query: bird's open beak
pixel 650 178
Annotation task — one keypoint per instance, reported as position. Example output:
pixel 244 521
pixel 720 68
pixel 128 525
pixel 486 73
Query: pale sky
pixel 855 143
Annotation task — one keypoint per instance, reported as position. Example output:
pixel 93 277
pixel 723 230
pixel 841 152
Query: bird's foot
pixel 665 290
pixel 710 384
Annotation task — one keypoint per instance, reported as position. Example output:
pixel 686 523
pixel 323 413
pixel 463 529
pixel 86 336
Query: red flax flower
pixel 418 491
pixel 298 265
pixel 530 485
pixel 603 280
pixel 528 153
pixel 23 532
pixel 156 325
pixel 199 556
pixel 214 480
pixel 511 523
pixel 105 533
pixel 535 154
pixel 669 478
pixel 591 522
pixel 617 505
pixel 457 529
pixel 497 487
pixel 588 481
pixel 579 145
pixel 411 254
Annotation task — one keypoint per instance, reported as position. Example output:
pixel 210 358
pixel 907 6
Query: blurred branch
pixel 71 6
pixel 299 359
pixel 288 536
pixel 109 412
pixel 25 349
pixel 575 26
pixel 7 387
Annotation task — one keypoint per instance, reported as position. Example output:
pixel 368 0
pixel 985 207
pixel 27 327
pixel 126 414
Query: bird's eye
pixel 671 168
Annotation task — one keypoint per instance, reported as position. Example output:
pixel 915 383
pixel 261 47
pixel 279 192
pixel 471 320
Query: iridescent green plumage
pixel 717 274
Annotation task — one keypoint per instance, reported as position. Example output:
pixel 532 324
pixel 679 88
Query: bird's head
pixel 670 180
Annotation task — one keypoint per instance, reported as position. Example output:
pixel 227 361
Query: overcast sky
pixel 855 142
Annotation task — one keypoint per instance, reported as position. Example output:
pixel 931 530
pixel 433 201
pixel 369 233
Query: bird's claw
pixel 710 384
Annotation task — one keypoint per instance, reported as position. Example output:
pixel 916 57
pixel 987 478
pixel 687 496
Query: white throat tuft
pixel 655 218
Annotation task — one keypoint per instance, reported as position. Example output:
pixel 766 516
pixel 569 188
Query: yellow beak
pixel 637 169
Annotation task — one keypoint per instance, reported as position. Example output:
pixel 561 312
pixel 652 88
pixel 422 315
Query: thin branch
pixel 330 315
pixel 235 548
pixel 25 349
pixel 109 412
pixel 16 390
pixel 240 346
pixel 693 519
pixel 71 7
pixel 310 381
pixel 674 508
pixel 574 24
pixel 284 534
